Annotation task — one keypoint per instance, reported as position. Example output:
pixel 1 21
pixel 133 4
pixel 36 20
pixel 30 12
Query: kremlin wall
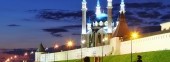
pixel 117 47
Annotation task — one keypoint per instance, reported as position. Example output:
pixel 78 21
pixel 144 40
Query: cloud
pixel 144 5
pixel 148 14
pixel 61 14
pixel 71 26
pixel 134 21
pixel 168 6
pixel 13 25
pixel 167 16
pixel 148 29
pixel 62 29
pixel 154 23
pixel 57 35
pixel 55 30
pixel 129 13
pixel 76 34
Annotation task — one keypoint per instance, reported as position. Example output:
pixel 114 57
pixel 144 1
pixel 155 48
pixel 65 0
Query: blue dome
pixel 101 17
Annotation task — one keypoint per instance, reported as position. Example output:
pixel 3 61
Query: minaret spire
pixel 98 3
pixel 84 10
pixel 84 1
pixel 122 7
pixel 84 27
pixel 109 18
pixel 98 10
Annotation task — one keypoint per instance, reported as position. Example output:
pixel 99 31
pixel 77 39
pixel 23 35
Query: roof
pixel 122 29
pixel 41 48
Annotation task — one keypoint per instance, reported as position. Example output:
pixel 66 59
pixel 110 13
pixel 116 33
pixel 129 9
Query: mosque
pixel 101 26
pixel 102 37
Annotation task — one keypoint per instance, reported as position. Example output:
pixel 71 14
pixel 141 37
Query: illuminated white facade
pixel 165 26
pixel 98 27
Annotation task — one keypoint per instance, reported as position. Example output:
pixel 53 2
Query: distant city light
pixel 46 49
pixel 8 60
pixel 15 56
pixel 11 57
pixel 32 52
pixel 25 54
pixel 56 46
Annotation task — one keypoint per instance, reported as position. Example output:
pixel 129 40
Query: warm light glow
pixel 56 46
pixel 25 54
pixel 11 57
pixel 134 35
pixel 8 60
pixel 83 41
pixel 69 43
pixel 105 39
pixel 15 56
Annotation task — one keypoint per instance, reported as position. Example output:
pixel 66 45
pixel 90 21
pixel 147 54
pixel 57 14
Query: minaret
pixel 122 7
pixel 98 9
pixel 84 10
pixel 109 18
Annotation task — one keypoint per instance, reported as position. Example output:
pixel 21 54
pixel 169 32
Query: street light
pixel 55 47
pixel 69 44
pixel 82 42
pixel 32 52
pixel 8 60
pixel 105 39
pixel 11 58
pixel 15 57
pixel 26 56
pixel 134 35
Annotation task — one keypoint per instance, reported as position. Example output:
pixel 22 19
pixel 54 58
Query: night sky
pixel 27 23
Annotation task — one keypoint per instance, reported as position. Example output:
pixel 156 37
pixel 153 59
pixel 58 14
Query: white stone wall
pixel 76 54
pixel 151 43
pixel 38 56
pixel 165 26
pixel 146 44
